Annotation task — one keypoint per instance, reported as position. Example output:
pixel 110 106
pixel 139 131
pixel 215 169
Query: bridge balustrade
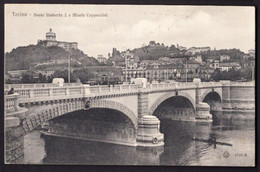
pixel 71 84
pixel 40 85
pixel 45 90
pixel 23 93
pixel 59 91
pixel 41 92
pixel 11 103
pixel 242 83
pixel 135 86
pixel 124 87
pixel 117 88
pixel 75 90
pixel 104 88
pixel 94 89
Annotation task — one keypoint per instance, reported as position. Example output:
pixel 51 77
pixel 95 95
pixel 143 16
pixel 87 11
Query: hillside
pixel 156 50
pixel 22 58
pixel 149 52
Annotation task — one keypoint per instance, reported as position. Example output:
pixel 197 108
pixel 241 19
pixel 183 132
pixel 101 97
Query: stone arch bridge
pixel 136 103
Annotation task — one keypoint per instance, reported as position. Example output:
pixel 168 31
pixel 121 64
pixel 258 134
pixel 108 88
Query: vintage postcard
pixel 129 85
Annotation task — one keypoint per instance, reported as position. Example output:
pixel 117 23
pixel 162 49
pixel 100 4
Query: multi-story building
pixel 197 58
pixel 51 41
pixel 251 52
pixel 215 64
pixel 224 57
pixel 229 66
pixel 194 50
pixel 46 72
pixel 131 61
pixel 16 73
pixel 177 71
pixel 101 59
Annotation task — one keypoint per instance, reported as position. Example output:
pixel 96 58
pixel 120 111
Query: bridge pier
pixel 148 132
pixel 202 109
pixel 226 101
pixel 14 133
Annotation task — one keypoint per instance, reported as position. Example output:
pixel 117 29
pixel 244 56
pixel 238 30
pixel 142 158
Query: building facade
pixel 177 71
pixel 194 50
pixel 101 59
pixel 224 57
pixel 251 52
pixel 51 41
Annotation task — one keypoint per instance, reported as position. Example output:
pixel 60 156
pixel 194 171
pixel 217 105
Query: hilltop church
pixel 51 41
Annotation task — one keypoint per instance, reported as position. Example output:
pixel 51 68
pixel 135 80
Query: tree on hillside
pixel 82 74
pixel 216 76
pixel 25 57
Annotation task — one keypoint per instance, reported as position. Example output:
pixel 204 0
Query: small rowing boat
pixel 211 141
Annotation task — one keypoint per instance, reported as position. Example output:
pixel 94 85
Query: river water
pixel 179 148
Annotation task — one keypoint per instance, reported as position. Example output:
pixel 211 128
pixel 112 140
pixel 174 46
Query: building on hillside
pixel 194 50
pixel 145 63
pixel 156 72
pixel 215 64
pixel 193 64
pixel 101 59
pixel 16 73
pixel 197 58
pixel 131 61
pixel 224 57
pixel 246 56
pixel 182 48
pixel 45 72
pixel 229 66
pixel 152 43
pixel 51 41
pixel 251 53
pixel 166 59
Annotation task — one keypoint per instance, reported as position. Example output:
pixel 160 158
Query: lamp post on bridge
pixel 69 66
pixel 186 70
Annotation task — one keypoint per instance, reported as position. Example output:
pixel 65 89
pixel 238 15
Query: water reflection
pixel 179 148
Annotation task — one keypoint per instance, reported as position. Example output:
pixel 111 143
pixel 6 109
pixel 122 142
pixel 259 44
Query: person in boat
pixel 213 140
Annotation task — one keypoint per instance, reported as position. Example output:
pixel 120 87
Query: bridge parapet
pixel 209 84
pixel 39 85
pixel 11 103
pixel 249 84
pixel 179 85
pixel 14 152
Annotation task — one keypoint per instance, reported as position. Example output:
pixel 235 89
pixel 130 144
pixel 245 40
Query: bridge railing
pixel 40 85
pixel 49 91
pixel 176 85
pixel 252 83
pixel 210 84
pixel 45 90
pixel 11 102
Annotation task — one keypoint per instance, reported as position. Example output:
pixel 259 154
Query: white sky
pixel 132 26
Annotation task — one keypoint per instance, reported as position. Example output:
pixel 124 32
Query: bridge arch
pixel 213 99
pixel 32 122
pixel 207 92
pixel 169 95
pixel 107 104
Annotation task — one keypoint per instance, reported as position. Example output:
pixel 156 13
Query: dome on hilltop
pixel 50 35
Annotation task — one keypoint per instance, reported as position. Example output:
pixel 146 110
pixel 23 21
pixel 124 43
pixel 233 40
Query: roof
pixel 168 66
pixel 50 33
pixel 192 61
pixel 228 64
pixel 59 41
